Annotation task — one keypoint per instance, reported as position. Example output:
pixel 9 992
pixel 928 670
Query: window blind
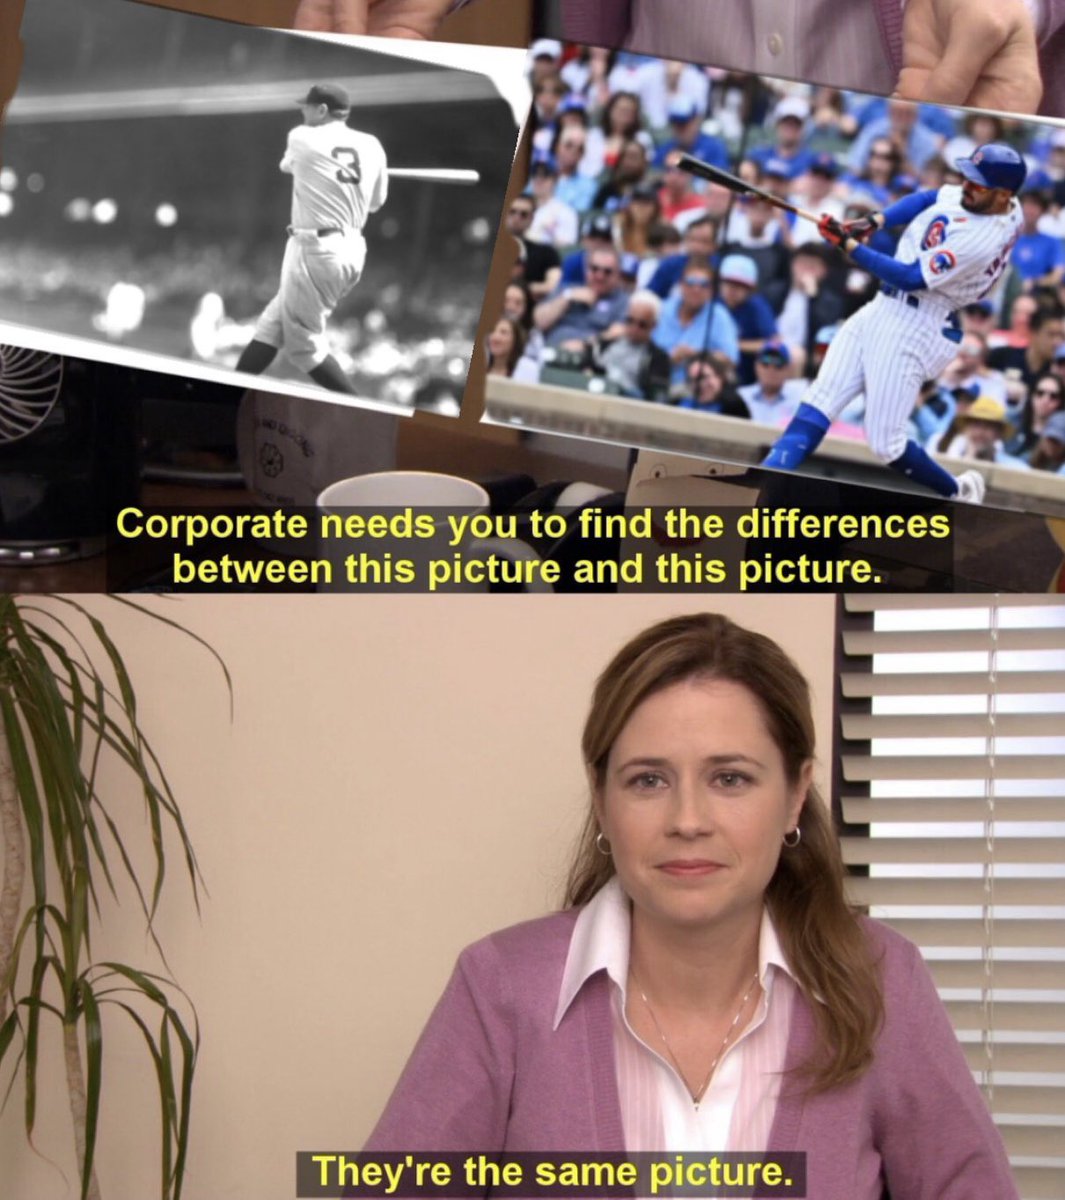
pixel 950 793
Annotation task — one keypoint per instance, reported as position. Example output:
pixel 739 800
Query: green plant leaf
pixel 93 1079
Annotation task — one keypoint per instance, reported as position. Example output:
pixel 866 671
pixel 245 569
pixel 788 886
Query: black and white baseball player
pixel 953 252
pixel 339 177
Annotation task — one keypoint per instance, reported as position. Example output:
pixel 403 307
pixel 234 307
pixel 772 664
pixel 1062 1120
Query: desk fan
pixel 69 454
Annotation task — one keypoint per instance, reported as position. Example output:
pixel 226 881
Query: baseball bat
pixel 435 175
pixel 705 170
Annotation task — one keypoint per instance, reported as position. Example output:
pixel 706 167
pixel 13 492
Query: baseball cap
pixel 573 102
pixel 1040 197
pixel 598 225
pixel 545 161
pixel 1055 427
pixel 791 106
pixel 779 167
pixel 332 95
pixel 683 110
pixel 644 191
pixel 825 164
pixel 825 335
pixel 738 268
pixel 630 265
pixel 546 48
pixel 1059 353
pixel 774 354
pixel 984 408
pixel 979 308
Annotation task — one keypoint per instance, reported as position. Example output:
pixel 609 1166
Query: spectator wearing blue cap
pixel 700 246
pixel 978 317
pixel 774 397
pixel 693 322
pixel 597 232
pixel 1038 258
pixel 685 122
pixel 554 223
pixel 756 323
pixel 788 150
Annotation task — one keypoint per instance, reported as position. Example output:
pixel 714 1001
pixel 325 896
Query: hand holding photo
pixel 380 18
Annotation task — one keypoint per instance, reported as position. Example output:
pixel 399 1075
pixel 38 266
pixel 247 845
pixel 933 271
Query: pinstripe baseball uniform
pixel 339 177
pixel 903 337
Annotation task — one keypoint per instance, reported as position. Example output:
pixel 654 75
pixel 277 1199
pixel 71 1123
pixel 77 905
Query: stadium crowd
pixel 663 287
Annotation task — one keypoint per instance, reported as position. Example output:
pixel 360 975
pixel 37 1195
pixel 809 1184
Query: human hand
pixel 581 295
pixel 978 52
pixel 381 18
pixel 831 230
pixel 864 227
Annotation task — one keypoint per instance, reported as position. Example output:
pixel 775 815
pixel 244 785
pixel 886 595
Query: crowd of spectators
pixel 666 288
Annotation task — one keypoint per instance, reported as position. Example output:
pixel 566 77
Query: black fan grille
pixel 30 383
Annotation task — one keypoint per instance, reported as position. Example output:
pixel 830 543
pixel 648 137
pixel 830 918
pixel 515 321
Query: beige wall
pixel 401 776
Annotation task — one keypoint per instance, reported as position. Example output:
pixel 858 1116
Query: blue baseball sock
pixel 801 438
pixel 915 463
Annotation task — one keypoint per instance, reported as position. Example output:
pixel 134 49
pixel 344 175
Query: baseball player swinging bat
pixel 705 170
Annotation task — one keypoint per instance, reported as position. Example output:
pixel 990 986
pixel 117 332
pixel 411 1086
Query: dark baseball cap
pixel 332 95
pixel 598 225
pixel 825 164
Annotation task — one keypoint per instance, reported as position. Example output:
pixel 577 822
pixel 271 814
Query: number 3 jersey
pixel 962 254
pixel 339 176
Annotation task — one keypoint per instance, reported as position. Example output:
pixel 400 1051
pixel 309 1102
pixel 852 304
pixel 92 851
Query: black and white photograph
pixel 198 197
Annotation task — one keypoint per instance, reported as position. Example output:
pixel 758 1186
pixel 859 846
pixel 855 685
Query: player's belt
pixel 898 294
pixel 951 330
pixel 330 229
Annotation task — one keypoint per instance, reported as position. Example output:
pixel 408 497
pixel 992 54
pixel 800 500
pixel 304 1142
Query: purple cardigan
pixel 489 1073
pixel 606 23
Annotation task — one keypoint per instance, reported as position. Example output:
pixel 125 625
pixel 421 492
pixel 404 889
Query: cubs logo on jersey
pixel 936 232
pixel 941 263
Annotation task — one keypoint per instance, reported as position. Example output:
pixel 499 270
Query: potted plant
pixel 67 704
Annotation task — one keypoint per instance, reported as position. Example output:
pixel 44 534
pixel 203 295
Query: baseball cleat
pixel 971 487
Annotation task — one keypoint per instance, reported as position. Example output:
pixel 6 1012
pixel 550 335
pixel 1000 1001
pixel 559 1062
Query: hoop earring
pixel 798 838
pixel 600 843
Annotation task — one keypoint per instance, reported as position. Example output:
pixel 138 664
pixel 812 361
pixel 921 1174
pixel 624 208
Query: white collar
pixel 600 942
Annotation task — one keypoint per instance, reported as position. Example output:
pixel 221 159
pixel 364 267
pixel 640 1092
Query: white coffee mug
pixel 444 507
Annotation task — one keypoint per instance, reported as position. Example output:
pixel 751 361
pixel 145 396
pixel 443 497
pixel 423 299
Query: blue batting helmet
pixel 994 166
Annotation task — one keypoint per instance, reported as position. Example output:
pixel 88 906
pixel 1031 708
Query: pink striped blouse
pixel 657 1112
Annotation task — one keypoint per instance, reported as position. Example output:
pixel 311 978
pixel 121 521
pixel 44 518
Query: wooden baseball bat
pixel 435 175
pixel 705 170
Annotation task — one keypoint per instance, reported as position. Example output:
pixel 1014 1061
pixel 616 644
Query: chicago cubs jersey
pixel 339 176
pixel 962 254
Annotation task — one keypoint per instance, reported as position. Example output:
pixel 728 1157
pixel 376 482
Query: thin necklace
pixel 696 1096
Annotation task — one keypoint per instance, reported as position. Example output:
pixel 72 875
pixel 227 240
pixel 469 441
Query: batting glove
pixel 864 227
pixel 831 230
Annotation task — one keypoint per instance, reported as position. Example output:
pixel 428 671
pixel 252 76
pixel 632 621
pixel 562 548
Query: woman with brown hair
pixel 707 987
